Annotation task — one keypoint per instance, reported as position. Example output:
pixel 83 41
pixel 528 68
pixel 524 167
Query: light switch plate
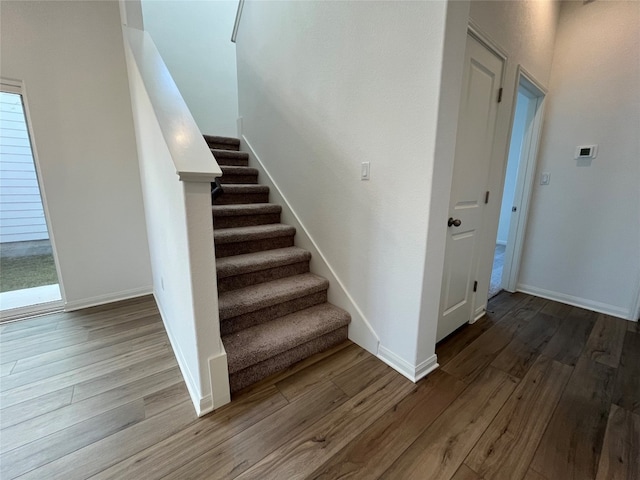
pixel 365 170
pixel 545 178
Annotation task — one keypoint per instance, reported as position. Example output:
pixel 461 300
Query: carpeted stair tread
pixel 255 297
pixel 247 234
pixel 236 170
pixel 254 262
pixel 261 342
pixel 222 143
pixel 230 157
pixel 245 188
pixel 245 209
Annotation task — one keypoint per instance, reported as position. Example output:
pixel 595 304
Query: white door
pixel 481 85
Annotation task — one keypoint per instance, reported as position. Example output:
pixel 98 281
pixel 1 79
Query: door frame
pixel 525 179
pixel 18 87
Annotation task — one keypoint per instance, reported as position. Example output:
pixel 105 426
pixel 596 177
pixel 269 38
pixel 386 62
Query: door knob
pixel 456 223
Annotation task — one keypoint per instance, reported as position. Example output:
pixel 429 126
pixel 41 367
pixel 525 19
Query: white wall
pixel 524 31
pixel 513 162
pixel 324 86
pixel 583 234
pixel 194 39
pixel 71 59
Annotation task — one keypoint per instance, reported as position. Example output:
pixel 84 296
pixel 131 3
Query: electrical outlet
pixel 365 171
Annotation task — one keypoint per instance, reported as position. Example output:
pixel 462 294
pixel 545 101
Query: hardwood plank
pixel 66 353
pixel 40 452
pixel 99 455
pixel 25 351
pixel 159 401
pixel 533 475
pixel 36 406
pixel 469 363
pixel 518 356
pixel 24 333
pixel 297 384
pixel 441 449
pixel 556 309
pixel 465 473
pixel 568 343
pixel 106 331
pixel 123 376
pixel 50 422
pixel 620 457
pixel 323 439
pixel 605 342
pixel 160 354
pixel 233 456
pixel 626 393
pixel 201 437
pixel 507 446
pixel 108 317
pixel 361 375
pixel 571 445
pixel 5 368
pixel 504 303
pixel 393 433
pixel 17 340
pixel 498 306
pixel 122 351
pixel 633 326
pixel 33 322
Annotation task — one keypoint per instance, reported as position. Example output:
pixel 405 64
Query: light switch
pixel 364 171
pixel 545 178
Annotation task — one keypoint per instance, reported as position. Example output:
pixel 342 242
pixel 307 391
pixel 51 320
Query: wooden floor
pixel 535 390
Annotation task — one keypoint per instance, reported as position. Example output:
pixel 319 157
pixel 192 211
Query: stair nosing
pixel 262 295
pixel 245 209
pixel 253 338
pixel 238 170
pixel 252 262
pixel 223 236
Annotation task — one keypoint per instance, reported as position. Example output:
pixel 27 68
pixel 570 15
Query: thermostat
pixel 587 151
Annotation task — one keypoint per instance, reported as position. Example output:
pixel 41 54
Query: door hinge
pixel 486 197
pixel 475 286
pixel 500 95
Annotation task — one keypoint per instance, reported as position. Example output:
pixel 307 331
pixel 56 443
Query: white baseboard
pixel 585 303
pixel 109 298
pixel 202 404
pixel 412 372
pixel 360 330
pixel 219 373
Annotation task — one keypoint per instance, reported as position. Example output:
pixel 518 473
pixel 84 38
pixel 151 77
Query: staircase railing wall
pixel 177 169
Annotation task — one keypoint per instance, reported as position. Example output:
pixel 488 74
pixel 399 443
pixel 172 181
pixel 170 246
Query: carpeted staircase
pixel 273 311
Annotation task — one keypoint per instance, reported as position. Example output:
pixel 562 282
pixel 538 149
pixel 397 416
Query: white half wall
pixel 324 86
pixel 177 169
pixel 194 39
pixel 583 234
pixel 70 56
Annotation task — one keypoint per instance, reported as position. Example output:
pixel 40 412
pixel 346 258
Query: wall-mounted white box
pixel 586 151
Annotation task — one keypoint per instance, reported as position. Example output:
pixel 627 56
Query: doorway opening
pixel 518 184
pixel 29 276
